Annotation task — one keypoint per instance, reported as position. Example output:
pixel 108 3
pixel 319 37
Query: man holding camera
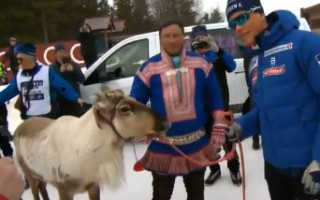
pixel 222 62
pixel 71 72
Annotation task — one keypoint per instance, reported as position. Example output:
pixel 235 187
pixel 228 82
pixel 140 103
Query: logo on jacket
pixel 318 58
pixel 277 49
pixel 273 61
pixel 254 76
pixel 273 71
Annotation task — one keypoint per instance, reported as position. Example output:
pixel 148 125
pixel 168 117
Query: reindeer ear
pixel 97 117
pixel 103 113
pixel 104 105
pixel 119 92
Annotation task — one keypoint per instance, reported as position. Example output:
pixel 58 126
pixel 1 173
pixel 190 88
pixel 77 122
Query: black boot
pixel 236 177
pixel 214 175
pixel 255 145
pixel 255 142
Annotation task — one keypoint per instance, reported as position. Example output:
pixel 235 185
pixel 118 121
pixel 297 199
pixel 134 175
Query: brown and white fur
pixel 82 154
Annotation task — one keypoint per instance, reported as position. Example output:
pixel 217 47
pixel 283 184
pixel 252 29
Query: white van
pixel 118 65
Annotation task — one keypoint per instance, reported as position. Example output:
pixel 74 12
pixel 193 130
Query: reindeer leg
pixel 34 187
pixel 94 192
pixel 63 194
pixel 33 182
pixel 43 190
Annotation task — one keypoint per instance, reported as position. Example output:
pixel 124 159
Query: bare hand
pixel 80 102
pixel 11 183
pixel 62 68
pixel 223 117
pixel 68 67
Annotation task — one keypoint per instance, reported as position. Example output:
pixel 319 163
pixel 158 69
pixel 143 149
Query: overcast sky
pixel 269 5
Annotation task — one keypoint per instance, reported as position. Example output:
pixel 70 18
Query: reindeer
pixel 79 155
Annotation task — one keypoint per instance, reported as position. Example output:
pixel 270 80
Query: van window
pixel 226 39
pixel 122 63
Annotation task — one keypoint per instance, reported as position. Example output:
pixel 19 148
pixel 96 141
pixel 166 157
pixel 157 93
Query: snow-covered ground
pixel 138 184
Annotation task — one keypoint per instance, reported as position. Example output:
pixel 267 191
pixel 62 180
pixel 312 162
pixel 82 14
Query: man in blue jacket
pixel 222 62
pixel 284 76
pixel 37 85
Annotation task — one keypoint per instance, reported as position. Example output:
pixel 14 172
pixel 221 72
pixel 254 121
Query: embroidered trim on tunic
pixel 178 165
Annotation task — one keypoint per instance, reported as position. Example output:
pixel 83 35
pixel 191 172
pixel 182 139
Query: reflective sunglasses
pixel 243 18
pixel 240 20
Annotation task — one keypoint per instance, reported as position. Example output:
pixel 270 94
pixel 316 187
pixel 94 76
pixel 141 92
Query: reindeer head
pixel 126 116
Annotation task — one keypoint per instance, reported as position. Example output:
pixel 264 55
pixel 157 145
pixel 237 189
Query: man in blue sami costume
pixel 284 75
pixel 176 82
pixel 37 86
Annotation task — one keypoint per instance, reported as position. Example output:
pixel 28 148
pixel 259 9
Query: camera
pixel 199 45
pixel 66 60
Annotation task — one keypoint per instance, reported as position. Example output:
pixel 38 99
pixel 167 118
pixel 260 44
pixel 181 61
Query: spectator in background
pixel 72 73
pixel 9 55
pixel 88 48
pixel 37 86
pixel 3 75
pixel 222 62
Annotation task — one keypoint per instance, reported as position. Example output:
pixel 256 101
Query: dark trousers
pixel 5 146
pixel 284 187
pixel 246 107
pixel 163 185
pixel 89 60
pixel 4 133
pixel 255 138
pixel 68 108
pixel 233 164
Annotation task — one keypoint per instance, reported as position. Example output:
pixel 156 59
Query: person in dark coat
pixel 71 72
pixel 9 55
pixel 222 62
pixel 88 48
pixel 5 135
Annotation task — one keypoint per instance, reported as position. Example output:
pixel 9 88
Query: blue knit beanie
pixel 25 48
pixel 198 30
pixel 59 47
pixel 243 5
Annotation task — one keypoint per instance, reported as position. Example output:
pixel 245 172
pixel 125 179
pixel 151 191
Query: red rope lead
pixel 227 156
pixel 243 174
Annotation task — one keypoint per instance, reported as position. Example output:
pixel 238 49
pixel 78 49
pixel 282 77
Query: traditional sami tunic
pixel 177 88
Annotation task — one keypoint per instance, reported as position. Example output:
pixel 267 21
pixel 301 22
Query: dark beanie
pixel 59 47
pixel 199 30
pixel 243 5
pixel 25 48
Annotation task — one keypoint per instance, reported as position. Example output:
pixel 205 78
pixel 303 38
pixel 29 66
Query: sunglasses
pixel 243 18
pixel 239 21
